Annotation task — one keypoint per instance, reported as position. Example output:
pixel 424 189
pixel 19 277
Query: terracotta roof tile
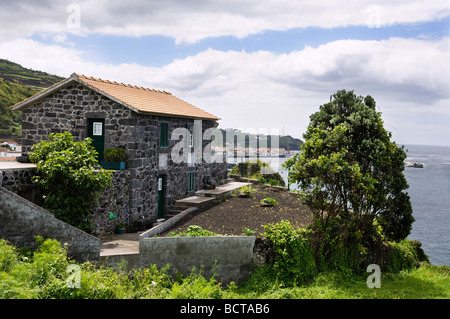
pixel 145 99
pixel 137 98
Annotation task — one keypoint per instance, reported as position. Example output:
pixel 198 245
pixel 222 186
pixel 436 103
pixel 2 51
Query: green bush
pixel 293 258
pixel 245 191
pixel 195 286
pixel 404 255
pixel 269 201
pixel 8 256
pixel 193 231
pixel 42 274
pixel 68 173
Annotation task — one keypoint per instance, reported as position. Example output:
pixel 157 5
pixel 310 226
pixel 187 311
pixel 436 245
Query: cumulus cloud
pixel 191 21
pixel 407 77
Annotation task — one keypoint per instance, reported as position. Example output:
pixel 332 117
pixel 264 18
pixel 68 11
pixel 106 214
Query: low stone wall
pixel 229 258
pixel 21 220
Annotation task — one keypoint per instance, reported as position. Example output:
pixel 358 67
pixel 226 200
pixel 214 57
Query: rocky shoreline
pixel 413 164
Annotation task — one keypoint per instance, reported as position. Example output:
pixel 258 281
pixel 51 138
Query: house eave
pixel 35 98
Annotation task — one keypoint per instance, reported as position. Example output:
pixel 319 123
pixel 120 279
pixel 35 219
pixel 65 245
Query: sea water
pixel 429 191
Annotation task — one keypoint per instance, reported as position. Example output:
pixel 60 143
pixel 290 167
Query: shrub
pixel 273 182
pixel 293 258
pixel 193 231
pixel 245 191
pixel 248 231
pixel 67 172
pixel 404 255
pixel 8 256
pixel 195 286
pixel 269 201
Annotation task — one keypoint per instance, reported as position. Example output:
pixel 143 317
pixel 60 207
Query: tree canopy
pixel 351 173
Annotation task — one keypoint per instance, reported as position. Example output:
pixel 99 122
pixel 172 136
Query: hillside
pixel 16 84
pixel 287 142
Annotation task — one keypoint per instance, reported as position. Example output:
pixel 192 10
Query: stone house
pixel 139 120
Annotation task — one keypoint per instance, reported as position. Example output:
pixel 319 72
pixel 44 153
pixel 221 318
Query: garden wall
pixel 21 220
pixel 230 258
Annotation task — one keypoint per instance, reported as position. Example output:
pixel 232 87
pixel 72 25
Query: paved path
pixel 119 244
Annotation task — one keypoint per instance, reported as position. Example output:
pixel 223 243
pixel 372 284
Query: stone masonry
pixel 70 107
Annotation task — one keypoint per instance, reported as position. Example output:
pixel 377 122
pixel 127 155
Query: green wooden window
pixel 163 134
pixel 191 183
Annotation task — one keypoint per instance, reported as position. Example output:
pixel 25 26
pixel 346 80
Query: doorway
pixel 96 132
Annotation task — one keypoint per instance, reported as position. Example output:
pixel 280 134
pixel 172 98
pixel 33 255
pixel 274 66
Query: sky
pixel 261 66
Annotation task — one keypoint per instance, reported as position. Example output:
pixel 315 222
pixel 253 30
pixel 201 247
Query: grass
pixel 43 275
pixel 426 282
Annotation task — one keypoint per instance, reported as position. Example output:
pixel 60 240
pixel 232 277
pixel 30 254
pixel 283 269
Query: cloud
pixel 192 21
pixel 407 78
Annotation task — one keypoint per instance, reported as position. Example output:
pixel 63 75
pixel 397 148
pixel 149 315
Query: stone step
pixel 194 201
pixel 179 207
pixel 171 214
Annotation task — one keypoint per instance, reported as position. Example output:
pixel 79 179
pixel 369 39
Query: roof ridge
pixel 91 78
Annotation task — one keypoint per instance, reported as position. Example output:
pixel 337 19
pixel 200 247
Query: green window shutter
pixel 164 134
pixel 190 183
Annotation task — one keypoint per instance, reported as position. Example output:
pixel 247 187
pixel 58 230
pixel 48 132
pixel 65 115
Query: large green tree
pixel 351 173
pixel 67 171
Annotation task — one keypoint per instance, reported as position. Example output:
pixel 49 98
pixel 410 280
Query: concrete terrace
pixel 128 243
pixel 7 165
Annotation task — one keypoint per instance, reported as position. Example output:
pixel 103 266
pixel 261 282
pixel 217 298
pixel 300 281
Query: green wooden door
pixel 160 196
pixel 97 133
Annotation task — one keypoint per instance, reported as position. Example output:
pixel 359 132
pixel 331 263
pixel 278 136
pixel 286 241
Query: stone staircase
pixel 203 197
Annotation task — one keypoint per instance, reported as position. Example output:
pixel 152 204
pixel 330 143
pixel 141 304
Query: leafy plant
pixel 67 171
pixel 44 274
pixel 294 259
pixel 193 231
pixel 115 155
pixel 273 182
pixel 262 180
pixel 245 191
pixel 121 225
pixel 269 201
pixel 248 232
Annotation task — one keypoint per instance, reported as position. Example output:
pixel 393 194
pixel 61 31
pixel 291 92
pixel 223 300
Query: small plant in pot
pixel 120 228
pixel 114 158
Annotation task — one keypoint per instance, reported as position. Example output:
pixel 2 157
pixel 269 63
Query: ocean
pixel 429 191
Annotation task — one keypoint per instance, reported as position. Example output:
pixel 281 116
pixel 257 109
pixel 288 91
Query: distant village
pixel 9 150
pixel 250 151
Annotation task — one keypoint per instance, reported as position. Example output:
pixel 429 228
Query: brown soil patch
pixel 230 215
